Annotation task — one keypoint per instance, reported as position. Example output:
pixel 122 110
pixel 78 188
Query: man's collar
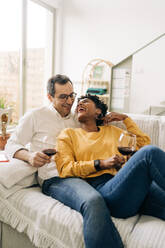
pixel 51 107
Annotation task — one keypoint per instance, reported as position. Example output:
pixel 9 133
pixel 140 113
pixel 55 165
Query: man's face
pixel 62 105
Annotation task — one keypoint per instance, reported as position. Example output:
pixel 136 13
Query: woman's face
pixel 86 110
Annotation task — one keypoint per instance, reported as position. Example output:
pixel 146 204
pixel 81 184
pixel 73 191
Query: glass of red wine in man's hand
pixel 50 152
pixel 47 145
pixel 127 144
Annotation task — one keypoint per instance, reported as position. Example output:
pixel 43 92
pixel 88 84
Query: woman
pixel 89 182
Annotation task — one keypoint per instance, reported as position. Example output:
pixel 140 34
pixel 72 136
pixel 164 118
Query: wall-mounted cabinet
pixel 120 86
pixel 120 89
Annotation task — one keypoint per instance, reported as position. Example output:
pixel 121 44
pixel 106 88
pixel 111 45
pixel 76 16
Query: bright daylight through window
pixel 26 54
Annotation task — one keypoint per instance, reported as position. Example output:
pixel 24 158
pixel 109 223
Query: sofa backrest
pixel 150 125
pixel 162 133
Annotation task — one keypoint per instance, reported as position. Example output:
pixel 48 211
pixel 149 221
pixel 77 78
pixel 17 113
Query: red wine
pixel 49 152
pixel 125 150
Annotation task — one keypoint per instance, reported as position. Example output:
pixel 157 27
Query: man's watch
pixel 97 165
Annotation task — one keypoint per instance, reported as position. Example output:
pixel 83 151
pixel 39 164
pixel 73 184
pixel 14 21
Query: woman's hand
pixel 115 162
pixel 113 116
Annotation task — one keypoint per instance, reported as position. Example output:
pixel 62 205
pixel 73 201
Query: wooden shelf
pixel 97 74
pixel 104 96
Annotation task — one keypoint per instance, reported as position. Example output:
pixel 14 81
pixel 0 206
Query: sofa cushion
pixel 149 232
pixel 125 227
pixel 16 171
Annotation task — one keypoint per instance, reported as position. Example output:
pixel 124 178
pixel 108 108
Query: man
pixel 43 125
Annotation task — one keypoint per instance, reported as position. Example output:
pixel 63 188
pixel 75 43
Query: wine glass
pixel 127 144
pixel 46 145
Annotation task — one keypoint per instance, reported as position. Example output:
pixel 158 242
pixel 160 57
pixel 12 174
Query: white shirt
pixel 36 128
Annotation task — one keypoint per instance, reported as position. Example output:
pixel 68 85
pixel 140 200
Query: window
pixel 26 53
pixel 10 26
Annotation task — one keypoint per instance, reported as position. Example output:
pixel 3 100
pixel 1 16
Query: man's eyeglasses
pixel 65 97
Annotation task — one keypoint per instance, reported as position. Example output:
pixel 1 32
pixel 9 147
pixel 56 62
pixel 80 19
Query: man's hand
pixel 115 162
pixel 38 159
pixel 113 116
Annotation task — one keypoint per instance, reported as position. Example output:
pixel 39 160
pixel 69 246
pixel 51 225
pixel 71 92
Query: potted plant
pixel 5 118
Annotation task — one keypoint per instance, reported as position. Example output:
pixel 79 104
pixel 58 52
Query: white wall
pixel 148 77
pixel 107 29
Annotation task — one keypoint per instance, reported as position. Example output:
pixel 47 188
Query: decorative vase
pixel 7 111
pixel 3 141
pixel 5 117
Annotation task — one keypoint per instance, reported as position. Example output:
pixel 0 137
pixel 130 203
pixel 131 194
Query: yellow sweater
pixel 77 149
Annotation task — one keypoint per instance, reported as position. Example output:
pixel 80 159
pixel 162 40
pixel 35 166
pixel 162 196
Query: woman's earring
pixel 100 116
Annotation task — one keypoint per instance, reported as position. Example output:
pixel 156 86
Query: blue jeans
pixel 154 203
pixel 121 196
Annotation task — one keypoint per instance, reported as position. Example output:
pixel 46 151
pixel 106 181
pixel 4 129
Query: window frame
pixel 23 49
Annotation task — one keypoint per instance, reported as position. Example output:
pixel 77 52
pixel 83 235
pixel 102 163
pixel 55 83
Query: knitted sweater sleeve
pixel 65 159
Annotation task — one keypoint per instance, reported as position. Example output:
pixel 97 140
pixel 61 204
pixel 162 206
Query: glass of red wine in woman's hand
pixel 127 144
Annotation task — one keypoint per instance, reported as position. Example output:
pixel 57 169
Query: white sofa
pixel 30 219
